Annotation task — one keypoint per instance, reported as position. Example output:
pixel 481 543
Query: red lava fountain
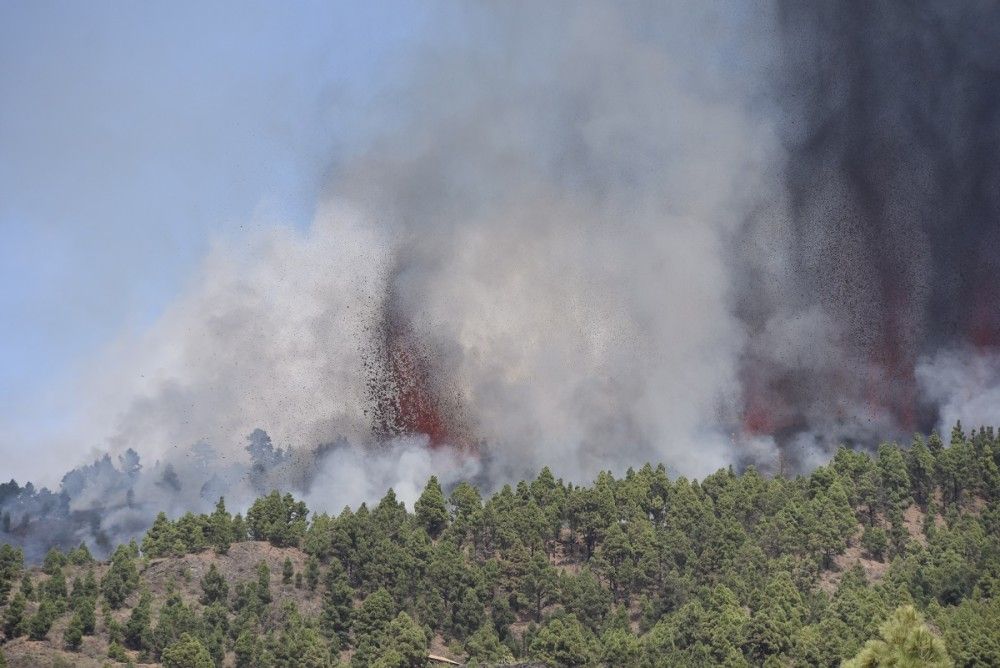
pixel 405 398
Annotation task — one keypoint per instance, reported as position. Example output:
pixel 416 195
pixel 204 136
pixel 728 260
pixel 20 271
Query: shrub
pixel 187 652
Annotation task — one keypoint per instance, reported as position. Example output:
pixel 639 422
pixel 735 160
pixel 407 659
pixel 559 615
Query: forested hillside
pixel 869 560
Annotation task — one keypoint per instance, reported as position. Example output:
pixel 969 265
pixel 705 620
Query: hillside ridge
pixel 734 569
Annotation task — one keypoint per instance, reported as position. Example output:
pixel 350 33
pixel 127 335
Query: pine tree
pixel 80 556
pixel 54 559
pixel 614 559
pixel 620 647
pixel 137 633
pixel 220 528
pixel 27 587
pixel 121 579
pixel 467 615
pixel 868 494
pixel 875 541
pixel 215 643
pixel 13 623
pixel 921 470
pixel 406 641
pixel 431 512
pixel 73 635
pixel 831 522
pixel 159 540
pixel 280 520
pixel 214 587
pixel 484 647
pixel 187 652
pixel 54 590
pixel 117 652
pixel 40 623
pixel 85 607
pixel 246 649
pixel 374 615
pixel 539 584
pixel 263 582
pixel 175 619
pixel 11 565
pixel 934 444
pixel 895 479
pixel 564 642
pixel 240 530
pixel 312 573
pixel 298 644
pixel 585 597
pixel 466 504
pixel 957 435
pixel 904 641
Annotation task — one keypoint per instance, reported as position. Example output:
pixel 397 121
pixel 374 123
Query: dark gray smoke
pixel 594 236
pixel 891 123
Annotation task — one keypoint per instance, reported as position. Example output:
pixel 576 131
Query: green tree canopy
pixel 187 652
pixel 430 509
pixel 905 642
pixel 280 520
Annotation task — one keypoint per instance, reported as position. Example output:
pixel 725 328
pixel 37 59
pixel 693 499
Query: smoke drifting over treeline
pixel 595 236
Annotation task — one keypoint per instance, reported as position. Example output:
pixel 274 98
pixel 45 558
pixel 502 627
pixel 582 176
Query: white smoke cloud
pixel 552 216
pixel 403 465
pixel 565 240
pixel 965 384
pixel 271 333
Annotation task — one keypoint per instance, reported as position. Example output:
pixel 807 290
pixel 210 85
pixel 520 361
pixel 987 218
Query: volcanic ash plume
pixel 533 267
pixel 596 236
pixel 891 119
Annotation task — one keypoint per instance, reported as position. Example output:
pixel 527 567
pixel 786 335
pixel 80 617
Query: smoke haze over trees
pixel 891 559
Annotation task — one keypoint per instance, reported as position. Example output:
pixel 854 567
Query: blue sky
pixel 132 134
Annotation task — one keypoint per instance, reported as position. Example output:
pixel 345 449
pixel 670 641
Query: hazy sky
pixel 132 134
